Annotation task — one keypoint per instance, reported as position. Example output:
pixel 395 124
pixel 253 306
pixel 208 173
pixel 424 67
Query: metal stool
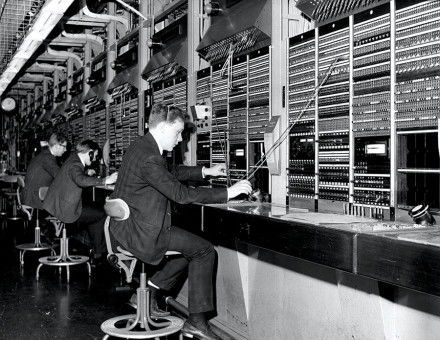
pixel 37 245
pixel 63 259
pixel 119 210
pixel 3 212
pixel 12 194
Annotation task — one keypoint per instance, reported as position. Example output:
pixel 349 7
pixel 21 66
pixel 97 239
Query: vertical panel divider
pixel 350 114
pixel 316 119
pixel 393 136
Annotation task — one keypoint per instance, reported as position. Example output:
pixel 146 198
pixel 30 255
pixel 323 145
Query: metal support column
pixel 195 9
pixel 279 81
pixel 145 29
pixel 111 56
pixel 69 78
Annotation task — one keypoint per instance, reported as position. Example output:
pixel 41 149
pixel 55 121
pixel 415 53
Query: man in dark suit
pixel 42 170
pixel 147 186
pixel 64 197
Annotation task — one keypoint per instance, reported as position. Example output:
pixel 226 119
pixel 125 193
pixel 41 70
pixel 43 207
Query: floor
pixel 51 308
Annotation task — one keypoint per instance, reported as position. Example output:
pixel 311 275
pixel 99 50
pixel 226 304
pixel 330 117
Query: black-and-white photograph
pixel 220 169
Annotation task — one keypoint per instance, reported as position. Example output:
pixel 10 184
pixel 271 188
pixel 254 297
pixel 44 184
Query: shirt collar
pixel 50 151
pixel 154 133
pixel 82 162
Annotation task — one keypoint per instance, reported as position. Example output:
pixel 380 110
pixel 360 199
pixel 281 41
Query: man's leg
pixel 94 219
pixel 199 256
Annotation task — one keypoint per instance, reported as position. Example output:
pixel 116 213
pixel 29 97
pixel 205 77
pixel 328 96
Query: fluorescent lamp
pixel 48 17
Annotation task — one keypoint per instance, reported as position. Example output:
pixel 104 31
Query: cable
pixel 223 147
pixel 132 9
pixel 285 133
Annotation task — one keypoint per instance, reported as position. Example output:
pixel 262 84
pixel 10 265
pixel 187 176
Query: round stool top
pixel 9 178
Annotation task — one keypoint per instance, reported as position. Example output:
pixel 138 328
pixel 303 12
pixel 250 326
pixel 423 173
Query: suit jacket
pixel 63 199
pixel 145 183
pixel 40 173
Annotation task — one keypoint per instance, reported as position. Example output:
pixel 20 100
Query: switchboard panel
pixel 123 122
pixel 333 111
pixel 238 92
pixel 417 65
pixel 302 83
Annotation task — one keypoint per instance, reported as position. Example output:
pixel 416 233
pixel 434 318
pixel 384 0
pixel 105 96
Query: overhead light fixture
pixel 48 17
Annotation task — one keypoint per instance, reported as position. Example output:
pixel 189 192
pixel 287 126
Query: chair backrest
pixel 42 193
pixel 20 187
pixel 117 208
pixel 28 210
pixel 20 181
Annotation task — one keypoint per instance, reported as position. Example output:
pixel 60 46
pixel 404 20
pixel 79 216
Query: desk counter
pixel 310 265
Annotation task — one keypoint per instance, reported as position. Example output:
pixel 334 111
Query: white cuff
pixel 152 284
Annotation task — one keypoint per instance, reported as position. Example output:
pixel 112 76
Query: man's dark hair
pixel 86 146
pixel 57 138
pixel 162 113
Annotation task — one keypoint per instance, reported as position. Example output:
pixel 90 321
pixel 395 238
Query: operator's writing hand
pixel 111 179
pixel 241 187
pixel 216 170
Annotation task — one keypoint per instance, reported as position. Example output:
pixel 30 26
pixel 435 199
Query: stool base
pixel 64 259
pixel 36 246
pixel 56 261
pixel 33 247
pixel 167 325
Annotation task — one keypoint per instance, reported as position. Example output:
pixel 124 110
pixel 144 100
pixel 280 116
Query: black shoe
pixel 155 311
pixel 204 332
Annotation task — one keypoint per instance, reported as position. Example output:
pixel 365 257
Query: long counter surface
pixel 402 254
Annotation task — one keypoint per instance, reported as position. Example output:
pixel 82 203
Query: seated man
pixel 42 170
pixel 147 186
pixel 64 201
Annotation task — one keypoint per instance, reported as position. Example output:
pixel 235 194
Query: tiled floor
pixel 51 308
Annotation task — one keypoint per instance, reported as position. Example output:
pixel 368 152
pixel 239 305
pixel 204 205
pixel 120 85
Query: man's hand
pixel 215 171
pixel 91 172
pixel 241 187
pixel 111 179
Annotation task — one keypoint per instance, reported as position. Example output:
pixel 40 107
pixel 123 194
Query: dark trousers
pixel 94 218
pixel 198 256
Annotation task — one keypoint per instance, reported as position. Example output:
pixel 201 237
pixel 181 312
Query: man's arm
pixel 198 173
pixel 155 173
pixel 51 166
pixel 187 173
pixel 78 176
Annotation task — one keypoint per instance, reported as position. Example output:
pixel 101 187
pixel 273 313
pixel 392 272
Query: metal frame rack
pixel 385 85
pixel 240 99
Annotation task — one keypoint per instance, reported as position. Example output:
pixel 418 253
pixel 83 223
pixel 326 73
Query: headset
pixel 92 155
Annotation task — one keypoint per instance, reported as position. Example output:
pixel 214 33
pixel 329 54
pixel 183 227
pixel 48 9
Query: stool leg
pixel 89 268
pixel 22 257
pixel 37 236
pixel 38 271
pixel 68 273
pixel 14 208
